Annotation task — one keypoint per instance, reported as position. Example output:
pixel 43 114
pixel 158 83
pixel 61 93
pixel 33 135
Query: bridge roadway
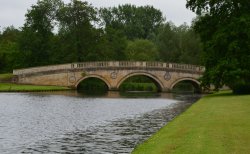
pixel 113 73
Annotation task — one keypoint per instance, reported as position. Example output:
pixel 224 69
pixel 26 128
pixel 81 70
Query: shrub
pixel 149 88
pixel 140 87
pixel 241 88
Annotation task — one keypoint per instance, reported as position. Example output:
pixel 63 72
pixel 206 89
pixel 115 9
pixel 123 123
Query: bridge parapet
pixel 111 64
pixel 41 69
pixel 140 64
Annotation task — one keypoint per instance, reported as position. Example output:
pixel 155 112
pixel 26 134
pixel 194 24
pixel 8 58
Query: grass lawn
pixel 216 124
pixel 9 87
pixel 134 86
pixel 6 77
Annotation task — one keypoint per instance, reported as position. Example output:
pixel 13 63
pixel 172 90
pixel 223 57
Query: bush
pixel 140 87
pixel 149 88
pixel 241 88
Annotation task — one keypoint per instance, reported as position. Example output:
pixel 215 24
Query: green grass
pixel 6 77
pixel 133 86
pixel 9 87
pixel 216 124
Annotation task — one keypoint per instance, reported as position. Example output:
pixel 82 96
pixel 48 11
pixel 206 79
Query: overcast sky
pixel 12 12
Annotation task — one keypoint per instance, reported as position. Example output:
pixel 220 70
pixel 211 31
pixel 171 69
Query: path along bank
pixel 217 123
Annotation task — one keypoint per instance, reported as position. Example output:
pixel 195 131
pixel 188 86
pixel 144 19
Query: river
pixel 69 122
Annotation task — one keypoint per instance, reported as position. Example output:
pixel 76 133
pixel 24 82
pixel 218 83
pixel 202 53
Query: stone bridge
pixel 113 73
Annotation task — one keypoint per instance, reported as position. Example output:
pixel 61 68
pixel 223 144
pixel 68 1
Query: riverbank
pixel 218 123
pixel 7 77
pixel 10 87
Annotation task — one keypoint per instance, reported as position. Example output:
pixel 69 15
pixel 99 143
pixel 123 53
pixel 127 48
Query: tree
pixel 135 22
pixel 2 63
pixel 178 44
pixel 224 29
pixel 142 50
pixel 167 43
pixel 114 44
pixel 37 32
pixel 76 30
pixel 190 45
pixel 9 48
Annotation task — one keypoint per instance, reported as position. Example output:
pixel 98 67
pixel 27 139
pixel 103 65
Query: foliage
pixel 37 32
pixel 113 45
pixel 133 86
pixel 56 32
pixel 184 87
pixel 241 88
pixel 224 30
pixel 76 29
pixel 138 83
pixel 178 44
pixel 92 86
pixel 8 48
pixel 136 22
pixel 141 50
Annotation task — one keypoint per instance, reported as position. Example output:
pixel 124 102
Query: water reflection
pixel 115 94
pixel 56 123
pixel 119 136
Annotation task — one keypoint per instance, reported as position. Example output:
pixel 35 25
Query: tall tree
pixel 178 44
pixel 224 29
pixel 115 44
pixel 167 43
pixel 136 22
pixel 37 32
pixel 77 31
pixel 9 48
pixel 189 44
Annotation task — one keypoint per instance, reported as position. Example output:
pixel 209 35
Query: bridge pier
pixel 165 90
pixel 113 89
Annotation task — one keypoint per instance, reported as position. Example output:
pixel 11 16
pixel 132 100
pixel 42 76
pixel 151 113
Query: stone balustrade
pixel 111 64
pixel 140 64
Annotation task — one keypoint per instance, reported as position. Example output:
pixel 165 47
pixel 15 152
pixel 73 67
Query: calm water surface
pixel 73 123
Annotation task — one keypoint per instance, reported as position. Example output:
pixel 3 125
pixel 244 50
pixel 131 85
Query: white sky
pixel 12 12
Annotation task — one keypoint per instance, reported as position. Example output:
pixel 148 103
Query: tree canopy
pixel 224 28
pixel 142 50
pixel 135 22
pixel 56 32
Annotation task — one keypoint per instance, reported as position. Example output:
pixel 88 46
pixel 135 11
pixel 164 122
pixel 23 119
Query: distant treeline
pixel 55 33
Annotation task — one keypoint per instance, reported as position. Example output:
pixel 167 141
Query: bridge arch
pixel 93 76
pixel 157 82
pixel 193 81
